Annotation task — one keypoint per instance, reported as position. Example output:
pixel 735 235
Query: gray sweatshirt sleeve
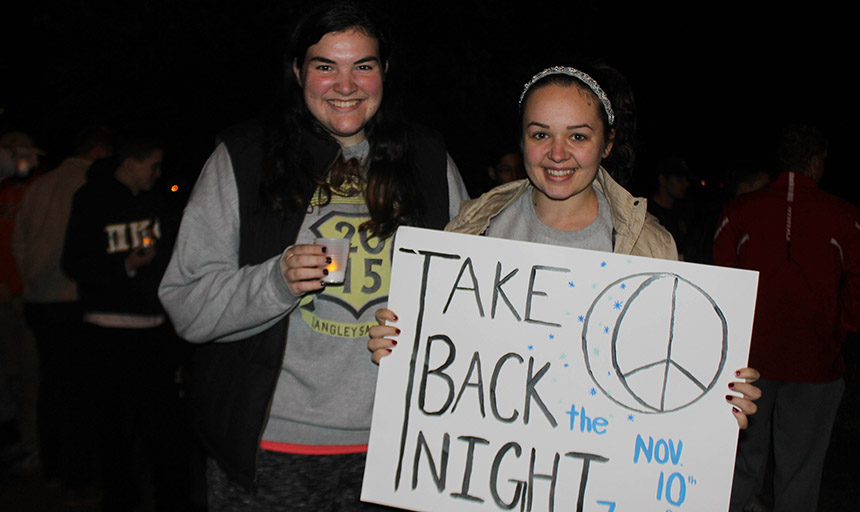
pixel 206 294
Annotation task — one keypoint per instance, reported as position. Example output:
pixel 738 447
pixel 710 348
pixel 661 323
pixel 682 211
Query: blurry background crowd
pixel 712 82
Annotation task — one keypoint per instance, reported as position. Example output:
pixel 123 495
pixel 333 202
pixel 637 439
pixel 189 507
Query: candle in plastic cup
pixel 146 237
pixel 338 250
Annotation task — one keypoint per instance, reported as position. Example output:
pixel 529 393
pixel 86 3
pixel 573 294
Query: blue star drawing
pixel 531 347
pixel 552 336
pixel 606 330
pixel 566 365
pixel 617 304
pixel 580 318
pixel 603 264
pixel 593 391
pixel 623 286
pixel 630 417
pixel 571 284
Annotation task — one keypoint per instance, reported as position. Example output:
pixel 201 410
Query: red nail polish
pixel 397 331
pixel 729 397
pixel 738 373
pixel 731 385
pixel 395 318
pixel 393 343
pixel 325 271
pixel 323 249
pixel 735 409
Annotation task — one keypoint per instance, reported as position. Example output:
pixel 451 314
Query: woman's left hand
pixel 744 405
pixel 382 336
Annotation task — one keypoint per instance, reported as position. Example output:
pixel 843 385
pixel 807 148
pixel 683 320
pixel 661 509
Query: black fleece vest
pixel 232 383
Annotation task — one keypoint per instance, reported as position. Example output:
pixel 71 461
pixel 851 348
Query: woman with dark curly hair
pixel 282 390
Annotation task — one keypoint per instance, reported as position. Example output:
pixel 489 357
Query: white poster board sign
pixel 533 377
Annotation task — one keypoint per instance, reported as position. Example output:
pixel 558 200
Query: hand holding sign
pixel 487 401
pixel 381 343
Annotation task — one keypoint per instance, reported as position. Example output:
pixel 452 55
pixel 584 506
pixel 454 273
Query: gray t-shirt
pixel 327 383
pixel 325 390
pixel 520 222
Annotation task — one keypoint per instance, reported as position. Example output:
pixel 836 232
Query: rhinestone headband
pixel 583 77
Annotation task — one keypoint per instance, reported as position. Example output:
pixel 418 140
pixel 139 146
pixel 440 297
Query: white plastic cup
pixel 146 237
pixel 338 250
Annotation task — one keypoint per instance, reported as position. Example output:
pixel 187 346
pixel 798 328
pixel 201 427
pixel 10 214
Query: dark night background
pixel 712 80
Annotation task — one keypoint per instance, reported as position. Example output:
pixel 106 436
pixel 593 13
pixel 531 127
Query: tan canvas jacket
pixel 636 232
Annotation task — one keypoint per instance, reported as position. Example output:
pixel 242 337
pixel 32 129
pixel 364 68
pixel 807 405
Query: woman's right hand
pixel 303 267
pixel 380 344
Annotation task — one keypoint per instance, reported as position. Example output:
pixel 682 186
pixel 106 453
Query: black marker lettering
pixel 533 292
pixel 553 479
pixel 413 361
pixel 532 394
pixel 438 475
pixel 467 471
pixel 497 290
pixel 466 264
pixel 494 380
pixel 476 363
pixel 494 478
pixel 583 479
pixel 438 371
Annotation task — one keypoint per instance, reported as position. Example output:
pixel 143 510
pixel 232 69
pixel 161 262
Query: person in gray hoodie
pixel 281 395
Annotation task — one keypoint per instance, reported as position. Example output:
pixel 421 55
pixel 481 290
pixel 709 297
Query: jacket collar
pixel 628 213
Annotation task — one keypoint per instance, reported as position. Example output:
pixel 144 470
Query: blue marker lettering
pixel 665 450
pixel 596 425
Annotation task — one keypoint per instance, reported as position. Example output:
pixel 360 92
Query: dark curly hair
pixel 390 191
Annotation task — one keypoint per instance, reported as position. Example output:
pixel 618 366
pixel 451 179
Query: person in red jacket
pixel 805 244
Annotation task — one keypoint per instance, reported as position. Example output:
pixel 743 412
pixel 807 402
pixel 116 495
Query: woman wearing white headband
pixel 570 130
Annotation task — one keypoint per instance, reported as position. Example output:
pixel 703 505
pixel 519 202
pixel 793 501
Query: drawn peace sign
pixel 654 342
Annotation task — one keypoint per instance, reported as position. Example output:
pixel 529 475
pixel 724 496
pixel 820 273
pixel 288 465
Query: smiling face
pixel 342 81
pixel 563 145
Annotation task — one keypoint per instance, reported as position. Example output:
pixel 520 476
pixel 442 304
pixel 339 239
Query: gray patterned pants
pixel 294 483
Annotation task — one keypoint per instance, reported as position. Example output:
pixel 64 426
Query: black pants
pixel 65 446
pixel 139 418
pixel 795 420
